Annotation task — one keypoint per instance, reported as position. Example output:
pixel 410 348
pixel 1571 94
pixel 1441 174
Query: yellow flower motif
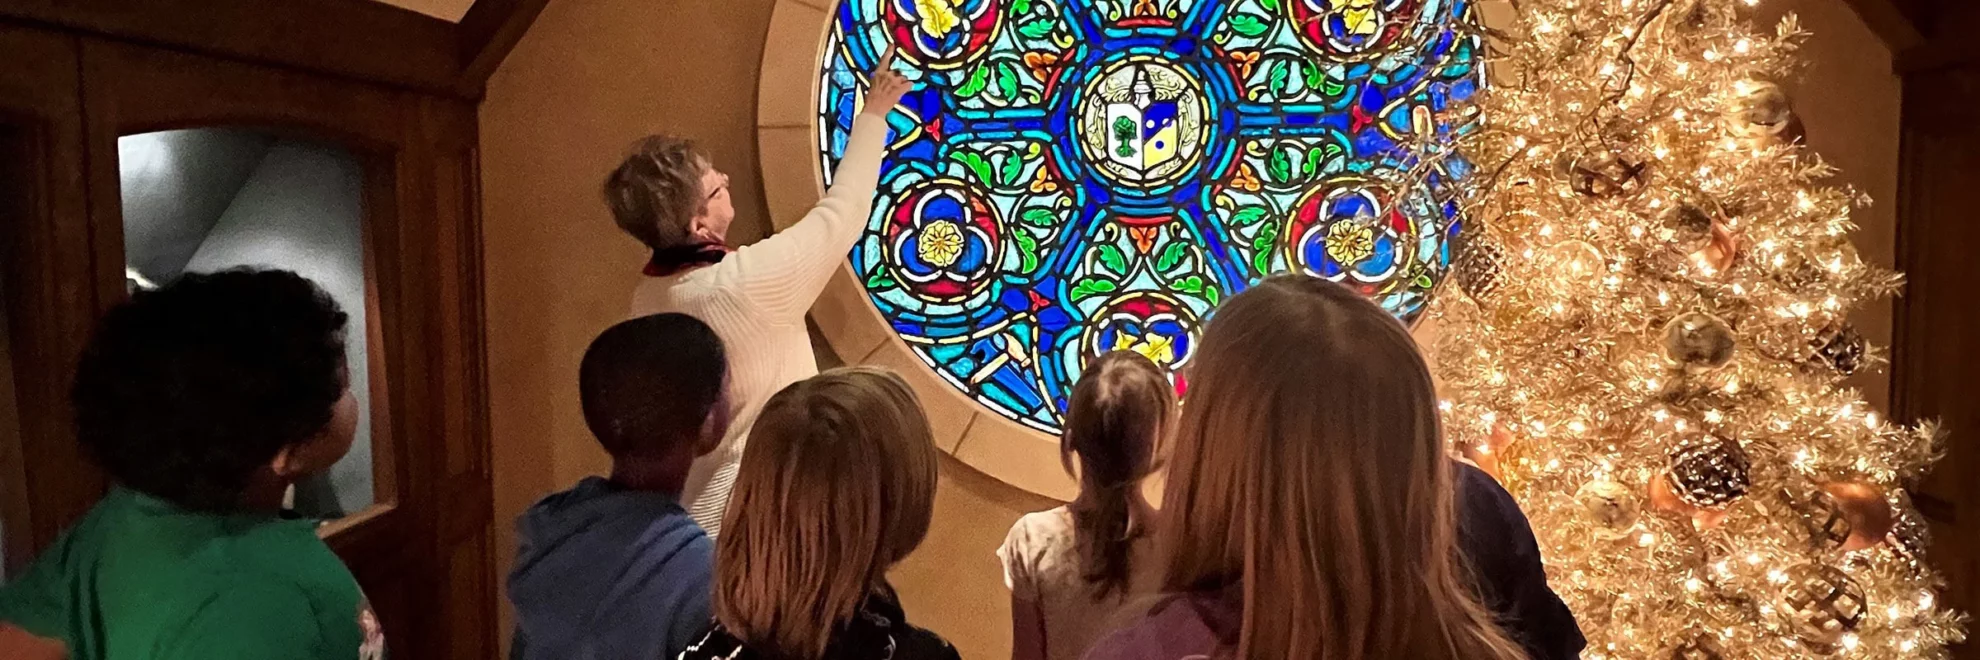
pixel 938 17
pixel 941 244
pixel 1350 242
pixel 1157 348
pixel 1359 16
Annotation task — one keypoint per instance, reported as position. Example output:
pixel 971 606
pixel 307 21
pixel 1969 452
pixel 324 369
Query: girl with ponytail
pixel 1078 571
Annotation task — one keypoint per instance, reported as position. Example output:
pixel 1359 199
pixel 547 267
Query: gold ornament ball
pixel 1766 114
pixel 1765 104
pixel 1867 510
pixel 1576 259
pixel 1823 604
pixel 1663 495
pixel 1699 342
pixel 1690 226
pixel 1611 508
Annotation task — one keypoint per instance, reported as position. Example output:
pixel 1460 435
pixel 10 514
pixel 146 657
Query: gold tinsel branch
pixel 1652 336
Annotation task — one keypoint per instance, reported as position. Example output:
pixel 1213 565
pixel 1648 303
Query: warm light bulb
pixel 1742 46
pixel 1646 539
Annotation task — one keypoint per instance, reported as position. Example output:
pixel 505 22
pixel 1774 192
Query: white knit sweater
pixel 756 300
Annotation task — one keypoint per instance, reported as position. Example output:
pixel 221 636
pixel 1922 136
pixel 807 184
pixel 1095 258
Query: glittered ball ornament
pixel 1709 472
pixel 1840 348
pixel 1822 603
pixel 1699 342
pixel 1480 270
pixel 1910 536
pixel 1611 508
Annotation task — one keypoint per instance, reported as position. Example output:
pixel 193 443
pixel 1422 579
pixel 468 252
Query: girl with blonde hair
pixel 837 486
pixel 1077 571
pixel 1310 506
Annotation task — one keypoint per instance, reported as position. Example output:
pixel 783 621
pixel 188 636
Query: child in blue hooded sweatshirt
pixel 614 568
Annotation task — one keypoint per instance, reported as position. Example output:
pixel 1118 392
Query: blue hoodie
pixel 606 573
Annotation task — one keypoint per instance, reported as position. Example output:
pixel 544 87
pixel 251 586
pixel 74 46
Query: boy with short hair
pixel 615 568
pixel 204 400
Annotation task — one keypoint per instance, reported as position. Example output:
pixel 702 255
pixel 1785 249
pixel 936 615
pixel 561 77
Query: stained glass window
pixel 1078 176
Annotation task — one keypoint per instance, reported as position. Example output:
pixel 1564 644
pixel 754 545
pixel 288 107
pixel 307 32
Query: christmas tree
pixel 1651 341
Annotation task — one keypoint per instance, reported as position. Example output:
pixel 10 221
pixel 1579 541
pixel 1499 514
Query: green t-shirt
pixel 140 578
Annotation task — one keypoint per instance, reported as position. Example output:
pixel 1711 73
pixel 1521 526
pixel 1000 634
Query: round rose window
pixel 1079 176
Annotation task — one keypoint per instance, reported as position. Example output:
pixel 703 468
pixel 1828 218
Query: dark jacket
pixel 879 631
pixel 1498 544
pixel 607 573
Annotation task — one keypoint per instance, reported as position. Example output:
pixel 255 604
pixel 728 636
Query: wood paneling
pixel 489 30
pixel 50 302
pixel 355 39
pixel 422 553
pixel 1936 350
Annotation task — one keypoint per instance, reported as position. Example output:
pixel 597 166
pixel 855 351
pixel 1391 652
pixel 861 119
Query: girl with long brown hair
pixel 1309 512
pixel 837 486
pixel 1073 571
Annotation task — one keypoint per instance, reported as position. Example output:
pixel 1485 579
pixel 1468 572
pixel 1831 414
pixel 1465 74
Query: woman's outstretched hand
pixel 888 86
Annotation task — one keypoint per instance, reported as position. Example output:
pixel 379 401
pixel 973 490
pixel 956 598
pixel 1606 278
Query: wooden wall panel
pixel 49 299
pixel 1936 350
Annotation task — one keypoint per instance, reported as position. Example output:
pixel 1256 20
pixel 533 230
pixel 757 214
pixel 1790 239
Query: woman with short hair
pixel 669 195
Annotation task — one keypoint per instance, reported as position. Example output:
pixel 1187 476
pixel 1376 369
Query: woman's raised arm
pixel 783 274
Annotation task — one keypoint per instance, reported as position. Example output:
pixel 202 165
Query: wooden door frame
pixel 423 553
pixel 359 40
pixel 49 304
pixel 1935 351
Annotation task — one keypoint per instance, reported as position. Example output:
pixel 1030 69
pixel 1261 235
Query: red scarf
pixel 681 258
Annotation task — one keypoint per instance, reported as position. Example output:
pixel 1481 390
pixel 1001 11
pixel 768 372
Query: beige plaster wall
pixel 593 75
pixel 1849 100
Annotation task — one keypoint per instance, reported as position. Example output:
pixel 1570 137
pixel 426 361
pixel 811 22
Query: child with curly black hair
pixel 204 400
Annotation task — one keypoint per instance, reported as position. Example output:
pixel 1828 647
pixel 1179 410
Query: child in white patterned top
pixel 1079 571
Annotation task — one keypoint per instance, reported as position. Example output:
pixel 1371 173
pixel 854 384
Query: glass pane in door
pixel 209 199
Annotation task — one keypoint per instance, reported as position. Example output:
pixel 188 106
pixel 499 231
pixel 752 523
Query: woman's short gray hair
pixel 655 193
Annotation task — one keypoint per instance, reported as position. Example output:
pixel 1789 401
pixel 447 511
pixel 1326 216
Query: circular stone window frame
pixel 787 145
